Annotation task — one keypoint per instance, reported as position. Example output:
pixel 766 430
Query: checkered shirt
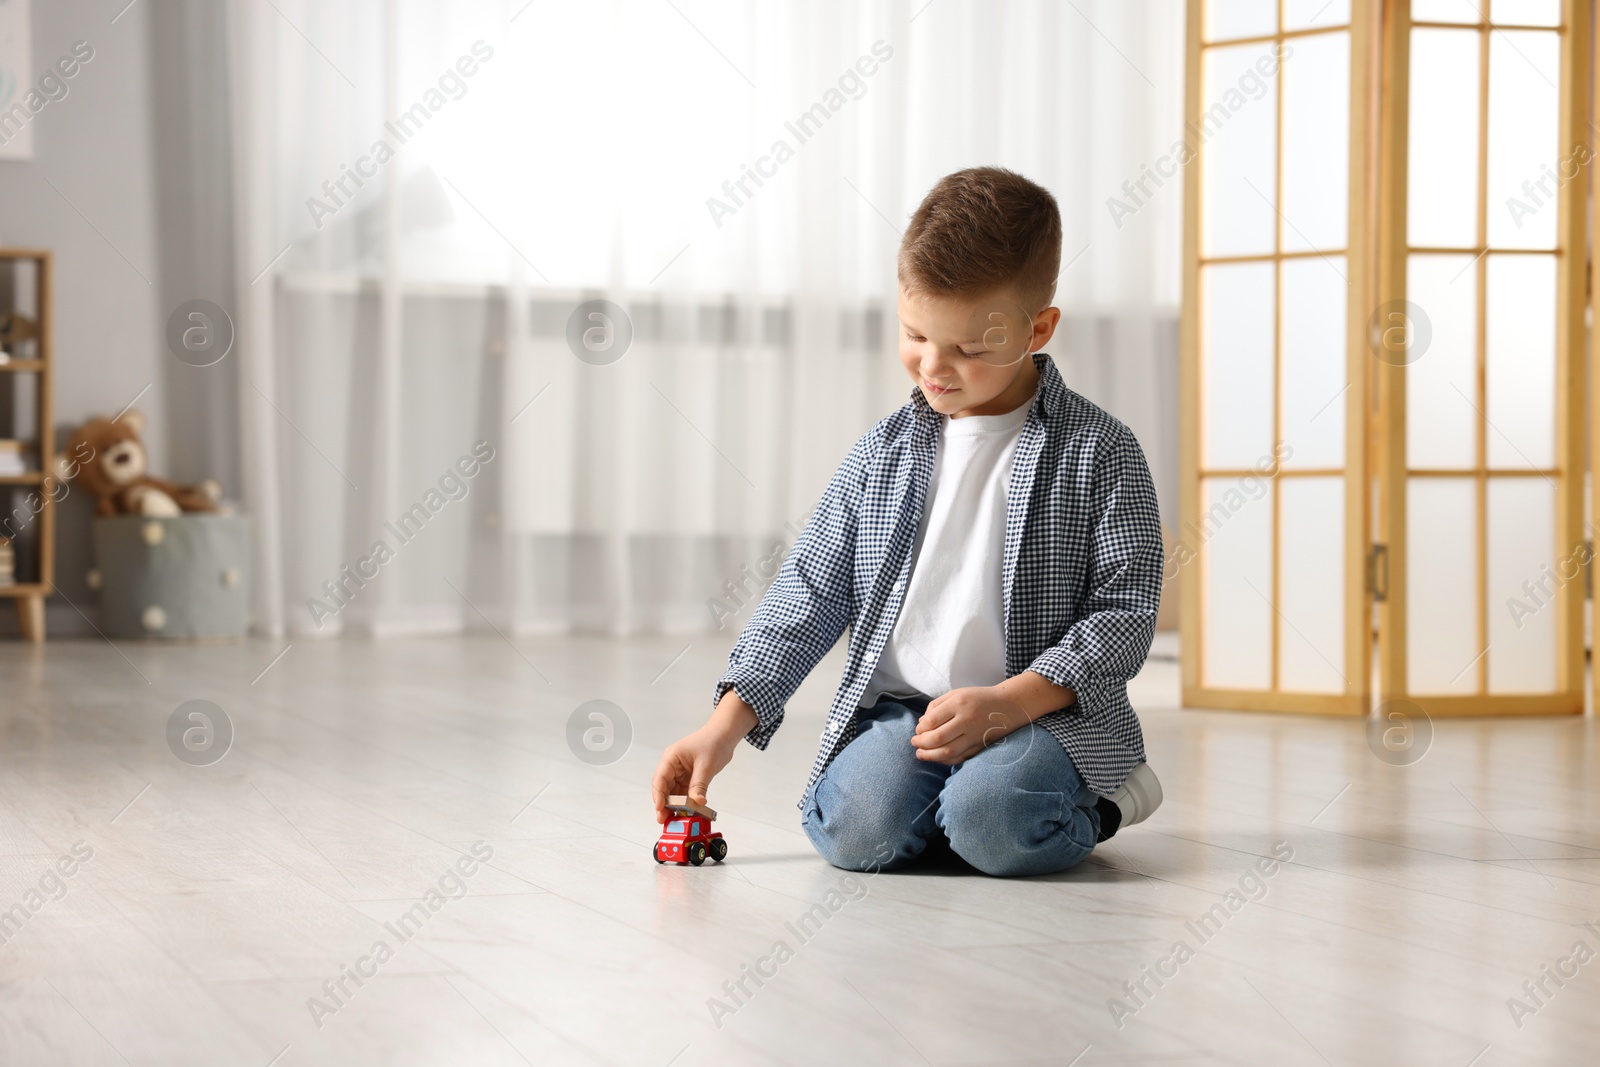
pixel 1081 576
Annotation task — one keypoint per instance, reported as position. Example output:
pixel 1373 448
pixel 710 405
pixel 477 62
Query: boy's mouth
pixel 936 390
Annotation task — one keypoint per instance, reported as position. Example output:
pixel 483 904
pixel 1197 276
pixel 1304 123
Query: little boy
pixel 995 549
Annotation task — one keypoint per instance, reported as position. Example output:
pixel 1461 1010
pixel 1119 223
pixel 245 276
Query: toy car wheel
pixel 697 853
pixel 656 852
pixel 719 850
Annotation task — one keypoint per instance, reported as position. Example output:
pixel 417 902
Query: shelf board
pixel 26 589
pixel 23 365
pixel 30 478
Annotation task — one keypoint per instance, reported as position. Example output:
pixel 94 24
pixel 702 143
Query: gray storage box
pixel 185 578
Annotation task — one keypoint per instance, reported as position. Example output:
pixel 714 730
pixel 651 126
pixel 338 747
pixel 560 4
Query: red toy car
pixel 688 837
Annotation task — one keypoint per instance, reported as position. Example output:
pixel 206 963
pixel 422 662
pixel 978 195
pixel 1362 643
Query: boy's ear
pixel 133 418
pixel 1044 327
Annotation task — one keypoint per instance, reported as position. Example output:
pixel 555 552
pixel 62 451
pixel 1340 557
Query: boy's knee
pixel 1006 830
pixel 980 823
pixel 855 844
pixel 854 830
pixel 851 852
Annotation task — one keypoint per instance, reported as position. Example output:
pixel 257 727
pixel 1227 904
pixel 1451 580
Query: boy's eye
pixel 914 337
pixel 973 354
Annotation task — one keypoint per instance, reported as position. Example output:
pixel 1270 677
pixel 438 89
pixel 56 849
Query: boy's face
pixel 968 354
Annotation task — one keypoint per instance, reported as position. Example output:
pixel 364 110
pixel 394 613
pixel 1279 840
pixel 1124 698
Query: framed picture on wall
pixel 16 77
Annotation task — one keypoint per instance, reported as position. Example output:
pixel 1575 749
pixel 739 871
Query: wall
pixel 122 227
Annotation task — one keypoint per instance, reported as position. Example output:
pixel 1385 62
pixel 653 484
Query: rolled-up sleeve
pixel 1108 644
pixel 806 608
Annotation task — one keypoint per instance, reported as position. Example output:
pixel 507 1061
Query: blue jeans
pixel 1018 807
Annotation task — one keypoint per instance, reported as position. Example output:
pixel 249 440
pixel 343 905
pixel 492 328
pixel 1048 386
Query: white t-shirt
pixel 950 631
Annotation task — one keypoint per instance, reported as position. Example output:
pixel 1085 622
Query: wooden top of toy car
pixel 685 806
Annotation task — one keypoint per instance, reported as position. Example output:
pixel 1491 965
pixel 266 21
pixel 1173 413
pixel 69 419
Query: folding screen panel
pixel 1406 267
pixel 1479 336
pixel 1277 253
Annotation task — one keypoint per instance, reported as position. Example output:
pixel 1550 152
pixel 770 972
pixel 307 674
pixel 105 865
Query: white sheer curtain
pixel 556 154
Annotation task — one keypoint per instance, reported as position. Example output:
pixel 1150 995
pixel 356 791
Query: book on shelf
pixel 14 456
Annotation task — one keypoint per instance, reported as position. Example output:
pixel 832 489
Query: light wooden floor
pixel 219 899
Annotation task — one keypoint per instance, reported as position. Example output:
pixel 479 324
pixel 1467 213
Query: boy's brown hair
pixel 979 230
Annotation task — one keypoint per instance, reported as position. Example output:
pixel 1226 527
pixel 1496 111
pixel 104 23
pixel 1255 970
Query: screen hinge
pixel 1378 572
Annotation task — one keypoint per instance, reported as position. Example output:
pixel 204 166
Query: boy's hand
pixel 964 722
pixel 688 765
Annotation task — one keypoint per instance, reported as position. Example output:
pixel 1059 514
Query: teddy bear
pixel 15 329
pixel 107 458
